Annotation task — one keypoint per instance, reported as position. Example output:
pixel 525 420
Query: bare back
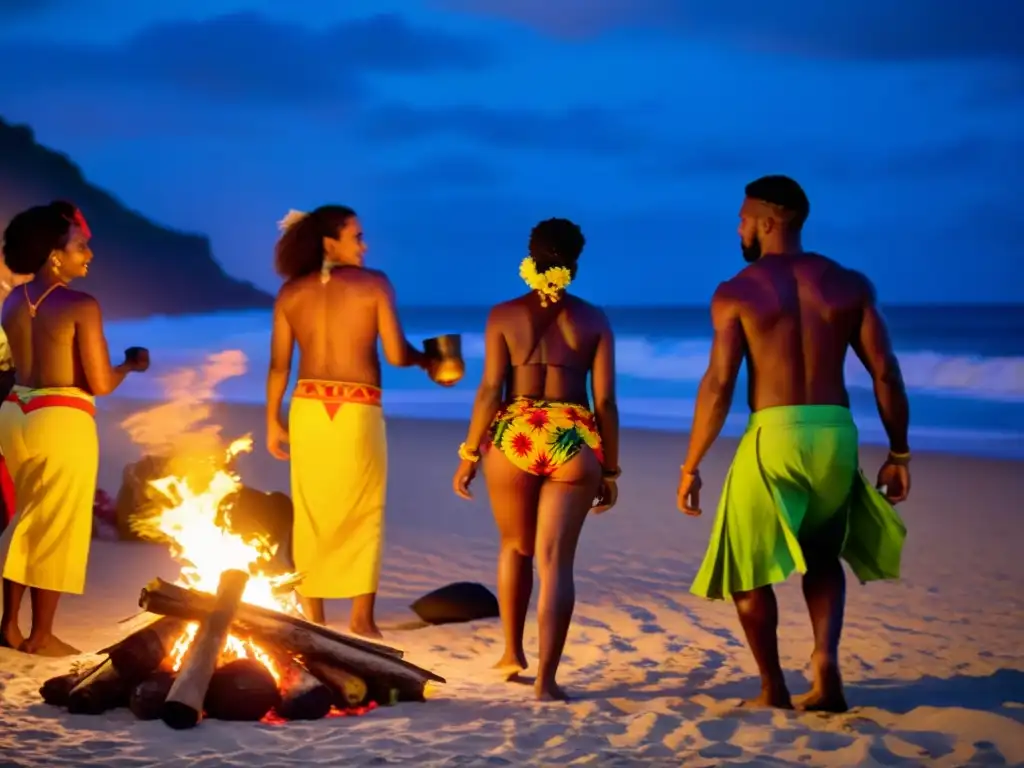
pixel 800 313
pixel 336 325
pixel 46 348
pixel 551 350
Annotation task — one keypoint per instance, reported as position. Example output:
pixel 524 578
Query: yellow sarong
pixel 339 469
pixel 48 438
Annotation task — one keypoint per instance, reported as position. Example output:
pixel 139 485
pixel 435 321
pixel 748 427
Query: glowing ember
pixel 234 648
pixel 197 528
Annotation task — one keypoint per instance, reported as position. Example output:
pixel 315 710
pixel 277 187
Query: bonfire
pixel 227 639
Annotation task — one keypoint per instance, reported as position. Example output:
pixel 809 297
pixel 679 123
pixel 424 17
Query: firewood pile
pixel 298 670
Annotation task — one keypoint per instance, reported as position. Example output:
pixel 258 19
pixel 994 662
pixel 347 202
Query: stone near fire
pixel 242 689
pixel 458 602
pixel 249 512
pixel 149 696
pixel 136 499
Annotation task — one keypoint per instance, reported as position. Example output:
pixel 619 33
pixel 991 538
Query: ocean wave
pixel 663 414
pixel 641 357
pixel 982 378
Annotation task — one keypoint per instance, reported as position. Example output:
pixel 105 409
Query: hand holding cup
pixel 445 365
pixel 137 359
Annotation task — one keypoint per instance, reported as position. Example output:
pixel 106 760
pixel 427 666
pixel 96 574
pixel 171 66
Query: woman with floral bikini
pixel 547 453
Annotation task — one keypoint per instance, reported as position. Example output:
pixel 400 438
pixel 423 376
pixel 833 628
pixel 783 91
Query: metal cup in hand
pixel 446 350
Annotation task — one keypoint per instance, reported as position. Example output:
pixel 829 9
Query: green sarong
pixel 795 493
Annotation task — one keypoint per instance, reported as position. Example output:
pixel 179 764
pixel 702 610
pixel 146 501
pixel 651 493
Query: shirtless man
pixel 335 309
pixel 47 426
pixel 794 498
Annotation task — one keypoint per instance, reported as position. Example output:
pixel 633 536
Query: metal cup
pixel 447 350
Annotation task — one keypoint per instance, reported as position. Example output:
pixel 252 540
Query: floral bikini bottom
pixel 538 436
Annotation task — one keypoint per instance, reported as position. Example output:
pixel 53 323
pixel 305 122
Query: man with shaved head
pixel 794 498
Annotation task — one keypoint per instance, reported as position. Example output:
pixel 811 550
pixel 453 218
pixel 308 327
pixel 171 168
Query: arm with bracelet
pixel 488 401
pixel 873 346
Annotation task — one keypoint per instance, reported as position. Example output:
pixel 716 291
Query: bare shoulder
pixel 591 314
pixel 292 288
pixel 374 277
pixel 731 294
pixel 373 281
pixel 83 304
pixel 504 312
pixel 862 282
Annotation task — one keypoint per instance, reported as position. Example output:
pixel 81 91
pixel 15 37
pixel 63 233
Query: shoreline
pixel 121 406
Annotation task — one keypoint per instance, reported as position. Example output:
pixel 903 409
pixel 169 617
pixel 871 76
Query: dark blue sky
pixel 452 126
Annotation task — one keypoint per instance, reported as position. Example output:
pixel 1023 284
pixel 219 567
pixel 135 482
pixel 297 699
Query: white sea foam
pixel 187 339
pixel 657 381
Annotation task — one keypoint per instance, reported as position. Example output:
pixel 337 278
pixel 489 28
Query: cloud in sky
pixel 246 58
pixel 573 129
pixel 453 133
pixel 857 29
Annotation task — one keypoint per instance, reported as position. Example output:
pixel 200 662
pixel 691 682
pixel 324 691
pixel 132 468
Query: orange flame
pixel 192 518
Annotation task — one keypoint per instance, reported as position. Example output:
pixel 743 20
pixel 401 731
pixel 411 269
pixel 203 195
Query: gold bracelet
pixel 685 471
pixel 467 455
pixel 899 458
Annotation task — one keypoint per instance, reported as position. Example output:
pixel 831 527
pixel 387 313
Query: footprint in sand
pixel 586 621
pixel 619 644
pixel 647 620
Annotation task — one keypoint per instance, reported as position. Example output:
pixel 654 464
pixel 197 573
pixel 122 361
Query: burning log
pixel 303 696
pixel 101 689
pixel 138 655
pixel 184 705
pixel 167 599
pixel 129 662
pixel 57 690
pixel 349 690
pixel 364 659
pixel 242 689
pixel 147 701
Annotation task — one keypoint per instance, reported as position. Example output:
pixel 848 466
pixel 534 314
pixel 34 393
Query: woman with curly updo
pixel 547 453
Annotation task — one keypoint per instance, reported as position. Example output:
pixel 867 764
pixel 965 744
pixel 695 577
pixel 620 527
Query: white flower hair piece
pixel 290 219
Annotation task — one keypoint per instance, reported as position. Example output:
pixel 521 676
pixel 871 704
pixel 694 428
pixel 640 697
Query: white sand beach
pixel 934 664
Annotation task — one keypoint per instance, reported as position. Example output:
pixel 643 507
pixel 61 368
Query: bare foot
pixel 826 695
pixel 313 610
pixel 550 692
pixel 764 701
pixel 49 646
pixel 369 631
pixel 11 638
pixel 511 665
pixel 820 701
pixel 772 696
